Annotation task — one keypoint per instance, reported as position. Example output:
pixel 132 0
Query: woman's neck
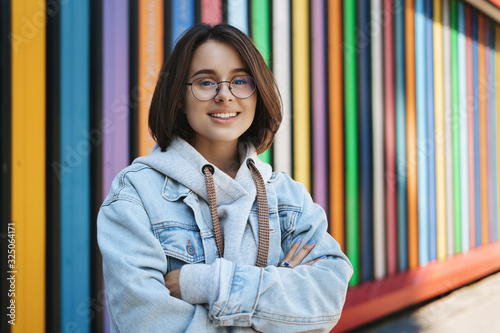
pixel 224 155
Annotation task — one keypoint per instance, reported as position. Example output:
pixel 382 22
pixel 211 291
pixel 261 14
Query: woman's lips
pixel 223 115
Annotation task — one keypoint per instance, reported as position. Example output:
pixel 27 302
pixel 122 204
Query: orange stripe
pixel 482 130
pixel 150 62
pixel 28 166
pixel 336 122
pixel 411 109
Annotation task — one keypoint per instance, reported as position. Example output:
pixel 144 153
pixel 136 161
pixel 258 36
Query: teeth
pixel 224 115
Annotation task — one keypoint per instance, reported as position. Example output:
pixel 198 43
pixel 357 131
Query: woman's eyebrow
pixel 212 72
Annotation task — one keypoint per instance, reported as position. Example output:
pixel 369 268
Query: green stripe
pixel 455 126
pixel 261 37
pixel 351 138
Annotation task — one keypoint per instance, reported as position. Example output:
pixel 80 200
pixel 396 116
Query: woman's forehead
pixel 214 57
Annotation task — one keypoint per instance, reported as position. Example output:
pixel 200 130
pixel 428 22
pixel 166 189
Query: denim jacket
pixel 156 219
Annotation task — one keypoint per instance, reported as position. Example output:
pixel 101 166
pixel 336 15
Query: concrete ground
pixel 470 309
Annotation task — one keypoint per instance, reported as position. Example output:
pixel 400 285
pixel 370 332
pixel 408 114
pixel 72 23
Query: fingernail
pixel 298 240
pixel 311 242
pixel 323 257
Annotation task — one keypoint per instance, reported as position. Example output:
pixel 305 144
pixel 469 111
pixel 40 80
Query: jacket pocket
pixel 181 243
pixel 288 216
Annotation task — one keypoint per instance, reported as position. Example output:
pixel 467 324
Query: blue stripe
pixel 477 170
pixel 182 18
pixel 237 11
pixel 75 180
pixel 430 130
pixel 400 104
pixel 365 140
pixel 423 178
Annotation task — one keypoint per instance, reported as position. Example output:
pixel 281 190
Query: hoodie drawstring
pixel 262 212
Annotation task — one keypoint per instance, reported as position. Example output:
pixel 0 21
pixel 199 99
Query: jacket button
pixel 190 248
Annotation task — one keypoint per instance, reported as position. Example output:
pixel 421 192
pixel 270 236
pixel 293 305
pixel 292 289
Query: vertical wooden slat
pixel 493 183
pixel 336 121
pixel 318 94
pixel 422 156
pixel 497 123
pixel 365 140
pixel 28 164
pixel 5 158
pixel 390 142
pixel 301 93
pixel 477 167
pixel 401 154
pixel 440 132
pixel 211 11
pixel 470 127
pixel 182 17
pixel 281 64
pixel 53 155
pixel 150 62
pixel 455 127
pixel 377 79
pixel 483 149
pixel 463 118
pixel 261 36
pixel 431 158
pixel 115 92
pixel 351 138
pixel 487 118
pixel 447 119
pixel 75 150
pixel 237 14
pixel 411 121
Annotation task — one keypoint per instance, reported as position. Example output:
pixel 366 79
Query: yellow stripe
pixel 300 66
pixel 28 162
pixel 440 134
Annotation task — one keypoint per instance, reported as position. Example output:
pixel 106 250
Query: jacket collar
pixel 182 164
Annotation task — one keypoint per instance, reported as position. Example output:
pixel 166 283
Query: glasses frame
pixel 218 84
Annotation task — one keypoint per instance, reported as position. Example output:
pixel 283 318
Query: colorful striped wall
pixel 391 121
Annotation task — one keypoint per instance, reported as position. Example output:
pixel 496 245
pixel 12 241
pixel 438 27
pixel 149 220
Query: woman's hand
pixel 294 258
pixel 172 283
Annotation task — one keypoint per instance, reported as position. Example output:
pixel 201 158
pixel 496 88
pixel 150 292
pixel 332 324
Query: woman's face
pixel 225 118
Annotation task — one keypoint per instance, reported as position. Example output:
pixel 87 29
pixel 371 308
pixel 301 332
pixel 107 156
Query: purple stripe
pixel 115 122
pixel 320 179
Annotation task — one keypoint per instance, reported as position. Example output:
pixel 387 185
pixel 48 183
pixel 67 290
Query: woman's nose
pixel 224 93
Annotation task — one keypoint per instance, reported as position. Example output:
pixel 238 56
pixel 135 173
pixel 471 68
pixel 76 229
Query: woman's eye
pixel 239 82
pixel 206 83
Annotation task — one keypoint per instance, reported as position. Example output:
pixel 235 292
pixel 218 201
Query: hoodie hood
pixel 184 164
pixel 235 197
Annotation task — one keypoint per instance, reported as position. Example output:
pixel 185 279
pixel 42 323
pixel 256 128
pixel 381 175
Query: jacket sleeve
pixel 275 299
pixel 134 265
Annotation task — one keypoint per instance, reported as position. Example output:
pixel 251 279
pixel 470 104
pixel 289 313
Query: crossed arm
pixel 294 258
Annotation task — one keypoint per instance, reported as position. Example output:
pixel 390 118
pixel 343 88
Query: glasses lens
pixel 204 89
pixel 242 86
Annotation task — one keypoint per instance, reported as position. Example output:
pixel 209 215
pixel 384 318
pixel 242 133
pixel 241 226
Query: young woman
pixel 200 235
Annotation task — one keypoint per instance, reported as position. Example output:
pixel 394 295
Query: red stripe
pixel 211 11
pixel 390 141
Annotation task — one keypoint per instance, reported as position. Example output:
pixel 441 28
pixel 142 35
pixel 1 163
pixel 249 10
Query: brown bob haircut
pixel 166 119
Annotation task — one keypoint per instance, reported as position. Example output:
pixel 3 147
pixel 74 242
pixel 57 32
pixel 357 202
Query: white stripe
pixel 281 65
pixel 377 42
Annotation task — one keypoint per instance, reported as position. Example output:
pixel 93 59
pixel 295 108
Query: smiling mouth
pixel 224 115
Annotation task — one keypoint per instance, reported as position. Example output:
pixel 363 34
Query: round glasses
pixel 205 89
